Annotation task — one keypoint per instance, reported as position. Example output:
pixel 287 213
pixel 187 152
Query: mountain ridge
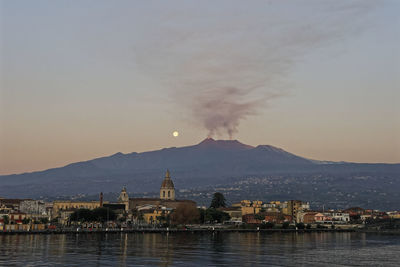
pixel 208 163
pixel 206 143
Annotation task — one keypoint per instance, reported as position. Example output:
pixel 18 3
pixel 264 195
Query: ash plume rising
pixel 221 110
pixel 225 66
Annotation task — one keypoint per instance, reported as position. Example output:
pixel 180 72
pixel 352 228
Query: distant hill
pixel 211 162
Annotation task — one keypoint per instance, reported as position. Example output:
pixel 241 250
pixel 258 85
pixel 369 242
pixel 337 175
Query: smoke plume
pixel 222 65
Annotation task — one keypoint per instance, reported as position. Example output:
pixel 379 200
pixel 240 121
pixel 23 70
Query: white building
pixel 332 217
pixel 33 207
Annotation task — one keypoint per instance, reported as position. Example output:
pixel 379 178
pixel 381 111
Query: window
pixel 163 193
pixel 169 194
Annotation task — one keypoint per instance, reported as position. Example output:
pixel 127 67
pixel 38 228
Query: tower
pixel 124 198
pixel 167 190
pixel 101 199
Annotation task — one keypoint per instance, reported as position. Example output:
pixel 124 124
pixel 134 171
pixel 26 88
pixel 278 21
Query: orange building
pixel 309 217
pixel 277 217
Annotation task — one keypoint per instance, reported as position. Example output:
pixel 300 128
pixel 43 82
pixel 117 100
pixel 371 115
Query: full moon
pixel 175 133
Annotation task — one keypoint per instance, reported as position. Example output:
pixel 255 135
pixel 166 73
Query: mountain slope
pixel 220 158
pixel 208 163
pixel 208 154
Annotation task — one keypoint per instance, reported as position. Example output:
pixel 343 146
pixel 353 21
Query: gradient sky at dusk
pixel 84 79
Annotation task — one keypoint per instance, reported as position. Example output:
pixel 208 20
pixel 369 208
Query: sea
pixel 201 249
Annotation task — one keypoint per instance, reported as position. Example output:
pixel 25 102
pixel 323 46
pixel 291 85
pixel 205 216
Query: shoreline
pixel 195 230
pixel 167 231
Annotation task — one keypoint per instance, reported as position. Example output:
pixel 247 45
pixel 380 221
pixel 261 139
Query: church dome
pixel 167 183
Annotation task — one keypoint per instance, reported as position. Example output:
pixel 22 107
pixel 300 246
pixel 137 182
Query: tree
pixel 82 215
pixel 6 219
pixel 269 225
pixel 140 216
pixel 285 225
pixel 185 213
pixel 259 216
pixel 26 220
pixel 213 215
pixel 355 218
pixel 164 219
pixel 96 215
pixel 202 213
pixel 300 225
pixel 44 220
pixel 136 214
pixel 103 214
pixel 218 201
pixel 121 219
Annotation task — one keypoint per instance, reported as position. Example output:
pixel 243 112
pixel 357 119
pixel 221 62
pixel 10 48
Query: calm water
pixel 187 249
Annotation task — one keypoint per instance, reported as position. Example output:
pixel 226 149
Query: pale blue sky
pixel 83 79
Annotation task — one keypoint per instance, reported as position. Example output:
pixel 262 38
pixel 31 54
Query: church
pixel 167 197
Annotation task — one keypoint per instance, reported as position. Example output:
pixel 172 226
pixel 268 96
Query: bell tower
pixel 124 198
pixel 167 190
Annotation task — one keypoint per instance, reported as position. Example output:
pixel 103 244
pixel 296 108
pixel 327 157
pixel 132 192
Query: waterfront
pixel 201 249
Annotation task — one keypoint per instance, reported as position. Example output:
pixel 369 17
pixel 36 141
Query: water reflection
pixel 183 249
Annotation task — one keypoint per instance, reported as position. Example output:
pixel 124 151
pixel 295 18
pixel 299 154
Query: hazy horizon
pixel 81 80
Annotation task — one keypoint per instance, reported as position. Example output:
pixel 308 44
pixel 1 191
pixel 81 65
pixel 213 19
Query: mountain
pixel 211 162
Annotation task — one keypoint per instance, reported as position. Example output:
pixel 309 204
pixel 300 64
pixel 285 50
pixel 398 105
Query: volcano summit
pixel 208 164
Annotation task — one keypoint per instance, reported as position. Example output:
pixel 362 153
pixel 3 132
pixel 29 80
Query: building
pixel 354 211
pixel 124 198
pixel 332 217
pixel 340 217
pixel 69 204
pixel 62 209
pixel 154 215
pixel 11 204
pixel 167 197
pixel 17 218
pixel 295 206
pixel 249 207
pixel 167 190
pixel 277 217
pixel 394 214
pixel 5 209
pixel 251 219
pixel 306 217
pixel 320 218
pixel 374 215
pixel 33 207
pixel 234 212
pixel 273 206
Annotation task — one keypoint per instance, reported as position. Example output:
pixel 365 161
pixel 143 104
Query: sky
pixel 86 79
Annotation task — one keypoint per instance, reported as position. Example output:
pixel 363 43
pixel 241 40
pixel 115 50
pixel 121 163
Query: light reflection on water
pixel 188 249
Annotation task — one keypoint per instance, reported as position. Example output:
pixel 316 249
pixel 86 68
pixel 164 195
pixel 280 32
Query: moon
pixel 175 134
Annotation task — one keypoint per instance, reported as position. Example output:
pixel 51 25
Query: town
pixel 167 212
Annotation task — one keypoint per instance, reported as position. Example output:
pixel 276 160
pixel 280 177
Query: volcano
pixel 208 163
